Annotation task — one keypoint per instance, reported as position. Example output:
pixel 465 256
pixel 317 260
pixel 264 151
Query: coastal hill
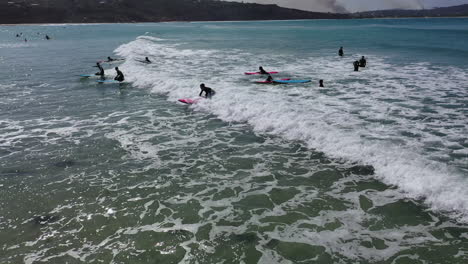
pixel 114 11
pixel 453 11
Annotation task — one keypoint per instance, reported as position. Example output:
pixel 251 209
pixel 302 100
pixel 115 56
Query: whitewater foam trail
pixel 395 118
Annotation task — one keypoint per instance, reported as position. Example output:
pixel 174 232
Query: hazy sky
pixel 357 5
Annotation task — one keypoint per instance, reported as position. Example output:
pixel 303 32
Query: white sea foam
pixel 395 118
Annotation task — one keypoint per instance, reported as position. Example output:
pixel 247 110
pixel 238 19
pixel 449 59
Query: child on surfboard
pixel 120 77
pixel 101 70
pixel 262 71
pixel 208 91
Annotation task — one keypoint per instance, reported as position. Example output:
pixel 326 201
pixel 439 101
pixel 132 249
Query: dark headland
pixel 115 11
pixel 127 11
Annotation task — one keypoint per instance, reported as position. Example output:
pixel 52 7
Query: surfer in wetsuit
pixel 269 78
pixel 362 62
pixel 356 65
pixel 110 59
pixel 321 83
pixel 262 71
pixel 340 52
pixel 47 37
pixel 120 77
pixel 101 70
pixel 208 91
pixel 147 60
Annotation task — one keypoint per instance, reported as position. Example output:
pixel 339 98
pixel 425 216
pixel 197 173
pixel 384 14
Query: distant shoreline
pixel 212 21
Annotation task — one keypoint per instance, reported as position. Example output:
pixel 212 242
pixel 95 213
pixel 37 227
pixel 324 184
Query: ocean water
pixel 372 168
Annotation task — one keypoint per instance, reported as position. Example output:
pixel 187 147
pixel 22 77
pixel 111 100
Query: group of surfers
pixel 120 76
pixel 358 63
pixel 26 40
pixel 209 92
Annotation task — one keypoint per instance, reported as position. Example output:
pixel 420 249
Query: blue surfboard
pixel 292 81
pixel 108 81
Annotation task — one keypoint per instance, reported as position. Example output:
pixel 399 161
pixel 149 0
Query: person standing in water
pixel 47 37
pixel 340 52
pixel 321 83
pixel 356 65
pixel 208 91
pixel 120 77
pixel 101 70
pixel 362 62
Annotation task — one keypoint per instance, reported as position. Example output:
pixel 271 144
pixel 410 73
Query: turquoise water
pixel 372 168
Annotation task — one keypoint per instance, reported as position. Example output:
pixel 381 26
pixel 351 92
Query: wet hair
pixel 116 68
pixel 202 85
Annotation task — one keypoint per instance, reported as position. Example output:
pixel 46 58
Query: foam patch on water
pixel 395 118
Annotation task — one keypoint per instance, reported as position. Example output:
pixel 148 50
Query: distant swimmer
pixel 269 78
pixel 321 83
pixel 362 62
pixel 356 65
pixel 25 40
pixel 147 60
pixel 340 52
pixel 101 70
pixel 208 91
pixel 262 71
pixel 120 77
pixel 17 35
pixel 110 59
pixel 47 37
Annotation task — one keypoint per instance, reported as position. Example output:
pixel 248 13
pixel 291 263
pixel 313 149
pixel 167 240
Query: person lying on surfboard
pixel 147 60
pixel 109 59
pixel 269 78
pixel 120 77
pixel 262 71
pixel 101 70
pixel 208 91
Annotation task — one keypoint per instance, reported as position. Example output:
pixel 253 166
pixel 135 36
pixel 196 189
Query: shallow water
pixel 370 169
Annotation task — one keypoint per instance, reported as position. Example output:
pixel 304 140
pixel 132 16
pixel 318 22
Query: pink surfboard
pixel 189 100
pixel 252 73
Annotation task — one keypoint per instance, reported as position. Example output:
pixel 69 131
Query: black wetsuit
pixel 269 79
pixel 101 71
pixel 356 66
pixel 262 71
pixel 340 52
pixel 362 62
pixel 147 60
pixel 208 91
pixel 120 77
pixel 321 83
